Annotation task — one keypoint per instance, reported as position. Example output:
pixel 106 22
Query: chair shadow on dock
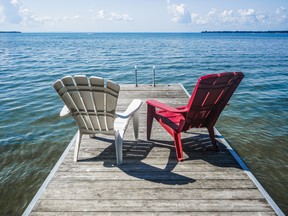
pixel 145 159
pixel 133 154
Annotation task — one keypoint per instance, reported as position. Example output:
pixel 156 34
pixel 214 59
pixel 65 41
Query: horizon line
pixel 152 32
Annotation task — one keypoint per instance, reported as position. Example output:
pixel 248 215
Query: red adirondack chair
pixel 211 94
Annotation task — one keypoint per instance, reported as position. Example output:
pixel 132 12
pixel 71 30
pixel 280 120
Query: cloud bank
pixel 14 14
pixel 227 18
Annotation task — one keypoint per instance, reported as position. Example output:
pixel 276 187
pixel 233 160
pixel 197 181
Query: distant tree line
pixel 257 32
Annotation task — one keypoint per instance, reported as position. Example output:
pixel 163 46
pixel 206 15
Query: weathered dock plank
pixel 151 181
pixel 141 205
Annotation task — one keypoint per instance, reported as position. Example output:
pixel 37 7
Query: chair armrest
pixel 163 106
pixel 131 109
pixel 65 111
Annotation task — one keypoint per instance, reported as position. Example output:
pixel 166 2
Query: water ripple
pixel 33 136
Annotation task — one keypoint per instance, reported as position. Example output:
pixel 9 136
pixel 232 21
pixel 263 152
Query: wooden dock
pixel 151 181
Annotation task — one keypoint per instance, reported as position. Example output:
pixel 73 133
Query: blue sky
pixel 142 15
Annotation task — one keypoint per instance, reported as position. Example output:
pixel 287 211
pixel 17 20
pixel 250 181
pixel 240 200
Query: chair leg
pixel 150 116
pixel 77 145
pixel 92 135
pixel 212 137
pixel 119 146
pixel 178 146
pixel 136 125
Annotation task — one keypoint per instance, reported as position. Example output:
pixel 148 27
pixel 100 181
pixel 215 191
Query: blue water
pixel 32 136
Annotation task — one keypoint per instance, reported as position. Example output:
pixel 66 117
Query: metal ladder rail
pixel 153 75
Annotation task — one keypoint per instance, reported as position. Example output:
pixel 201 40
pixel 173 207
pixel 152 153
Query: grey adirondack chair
pixel 93 106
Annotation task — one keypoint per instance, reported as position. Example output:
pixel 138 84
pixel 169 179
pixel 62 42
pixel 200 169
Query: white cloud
pixel 210 18
pixel 2 16
pixel 262 18
pixel 13 12
pixel 247 16
pixel 103 15
pixel 179 13
pixel 228 16
pixel 282 15
pixel 10 11
pixel 250 18
pixel 248 12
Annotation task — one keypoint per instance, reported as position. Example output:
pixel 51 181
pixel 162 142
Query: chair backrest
pixel 210 96
pixel 91 103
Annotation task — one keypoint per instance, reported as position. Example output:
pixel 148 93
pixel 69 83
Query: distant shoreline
pixel 247 32
pixel 10 32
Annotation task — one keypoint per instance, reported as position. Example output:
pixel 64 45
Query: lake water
pixel 33 136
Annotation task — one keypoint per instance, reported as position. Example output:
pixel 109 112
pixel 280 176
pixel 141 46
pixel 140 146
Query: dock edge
pixel 48 179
